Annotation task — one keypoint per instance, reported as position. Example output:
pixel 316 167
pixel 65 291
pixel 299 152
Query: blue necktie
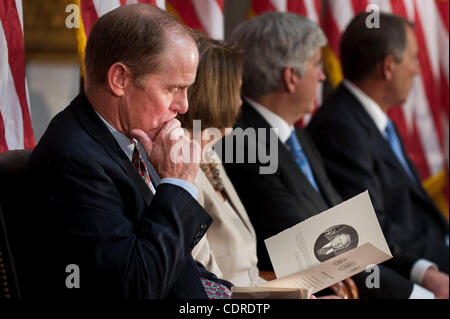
pixel 300 158
pixel 396 147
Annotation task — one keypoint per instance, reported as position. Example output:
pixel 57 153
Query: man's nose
pixel 180 104
pixel 417 69
pixel 322 77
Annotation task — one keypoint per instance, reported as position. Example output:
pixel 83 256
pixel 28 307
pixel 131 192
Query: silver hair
pixel 270 43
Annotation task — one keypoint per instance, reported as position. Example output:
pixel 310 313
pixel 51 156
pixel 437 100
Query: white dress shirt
pixel 284 129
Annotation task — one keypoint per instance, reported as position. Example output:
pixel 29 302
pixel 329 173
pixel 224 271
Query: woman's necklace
pixel 212 171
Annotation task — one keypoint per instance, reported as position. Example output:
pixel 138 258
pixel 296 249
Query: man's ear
pixel 388 66
pixel 289 79
pixel 118 77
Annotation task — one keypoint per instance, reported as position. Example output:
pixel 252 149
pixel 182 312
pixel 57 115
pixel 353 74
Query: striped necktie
pixel 396 147
pixel 300 158
pixel 215 290
pixel 139 164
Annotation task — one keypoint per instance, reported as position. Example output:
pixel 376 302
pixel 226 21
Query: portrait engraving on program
pixel 334 241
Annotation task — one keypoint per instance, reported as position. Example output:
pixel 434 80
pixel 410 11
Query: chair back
pixel 13 196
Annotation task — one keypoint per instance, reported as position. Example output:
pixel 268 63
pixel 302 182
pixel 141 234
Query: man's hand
pixel 165 151
pixel 437 282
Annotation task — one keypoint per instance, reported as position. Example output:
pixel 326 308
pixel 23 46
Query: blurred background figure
pixel 282 69
pixel 362 148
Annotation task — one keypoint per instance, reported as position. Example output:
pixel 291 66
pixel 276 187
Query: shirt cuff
pixel 419 268
pixel 419 292
pixel 189 187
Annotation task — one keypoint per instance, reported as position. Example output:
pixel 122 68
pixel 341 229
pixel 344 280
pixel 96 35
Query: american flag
pixel 308 8
pixel 203 15
pixel 16 131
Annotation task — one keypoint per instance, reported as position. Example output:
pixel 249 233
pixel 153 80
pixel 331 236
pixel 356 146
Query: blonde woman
pixel 229 247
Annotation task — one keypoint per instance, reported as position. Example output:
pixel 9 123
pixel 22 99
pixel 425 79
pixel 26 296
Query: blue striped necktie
pixel 300 158
pixel 396 147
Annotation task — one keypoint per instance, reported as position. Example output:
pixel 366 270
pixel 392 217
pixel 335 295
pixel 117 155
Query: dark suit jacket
pixel 357 157
pixel 93 209
pixel 277 201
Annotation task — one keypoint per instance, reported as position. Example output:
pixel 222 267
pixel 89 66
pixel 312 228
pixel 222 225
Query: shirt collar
pixel 275 121
pixel 124 142
pixel 372 108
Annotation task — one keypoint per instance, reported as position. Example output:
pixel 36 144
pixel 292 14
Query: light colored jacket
pixel 229 247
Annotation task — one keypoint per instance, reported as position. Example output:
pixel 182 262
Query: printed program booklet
pixel 323 250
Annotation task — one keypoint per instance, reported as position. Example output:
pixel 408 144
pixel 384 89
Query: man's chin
pixel 153 133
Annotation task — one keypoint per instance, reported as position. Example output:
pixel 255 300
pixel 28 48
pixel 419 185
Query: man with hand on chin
pixel 101 204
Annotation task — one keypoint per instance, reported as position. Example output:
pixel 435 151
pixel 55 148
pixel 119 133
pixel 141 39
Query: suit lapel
pixel 99 132
pixel 295 173
pixel 381 144
pixel 235 201
pixel 327 194
pixel 411 166
pixel 251 118
pixel 389 156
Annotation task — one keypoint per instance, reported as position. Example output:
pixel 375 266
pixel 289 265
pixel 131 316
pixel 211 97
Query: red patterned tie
pixel 138 162
pixel 215 290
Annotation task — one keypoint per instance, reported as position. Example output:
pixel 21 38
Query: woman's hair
pixel 215 95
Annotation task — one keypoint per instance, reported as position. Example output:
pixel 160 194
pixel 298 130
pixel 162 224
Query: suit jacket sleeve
pixel 117 255
pixel 203 254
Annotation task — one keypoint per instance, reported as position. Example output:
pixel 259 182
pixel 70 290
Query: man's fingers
pixel 196 151
pixel 169 126
pixel 177 133
pixel 144 139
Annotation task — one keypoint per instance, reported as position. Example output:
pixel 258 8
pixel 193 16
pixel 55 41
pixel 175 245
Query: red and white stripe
pixel 443 33
pixel 423 119
pixel 203 15
pixel 91 10
pixel 16 130
pixel 210 14
pixel 308 8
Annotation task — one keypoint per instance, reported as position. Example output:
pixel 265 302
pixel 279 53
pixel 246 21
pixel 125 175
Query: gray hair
pixel 270 43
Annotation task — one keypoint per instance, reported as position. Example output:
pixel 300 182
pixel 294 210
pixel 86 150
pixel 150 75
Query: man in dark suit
pixel 282 68
pixel 362 149
pixel 103 223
